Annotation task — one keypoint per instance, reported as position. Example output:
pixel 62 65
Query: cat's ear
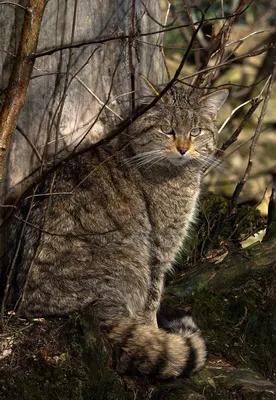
pixel 148 91
pixel 213 101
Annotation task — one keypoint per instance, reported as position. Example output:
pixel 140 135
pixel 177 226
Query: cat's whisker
pixel 218 165
pixel 204 160
pixel 207 158
pixel 148 161
pixel 146 153
pixel 199 163
pixel 145 159
pixel 211 162
pixel 142 156
pixel 159 159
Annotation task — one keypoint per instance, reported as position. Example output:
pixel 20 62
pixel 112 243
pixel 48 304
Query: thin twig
pixel 252 148
pixel 222 161
pixel 238 58
pixel 104 105
pixel 255 102
pixel 99 100
pixel 191 16
pixel 74 76
pixel 232 113
pixel 66 80
pixel 60 234
pixel 241 41
pixel 254 105
pixel 165 25
pixel 26 137
pixel 121 37
pixel 12 266
pixel 224 37
pixel 11 3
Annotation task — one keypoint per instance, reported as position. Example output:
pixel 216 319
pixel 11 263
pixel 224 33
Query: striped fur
pixel 104 228
pixel 149 350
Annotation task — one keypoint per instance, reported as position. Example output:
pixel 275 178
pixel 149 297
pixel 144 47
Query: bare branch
pixel 238 58
pixel 165 25
pixel 134 117
pixel 233 112
pixel 254 105
pixel 20 77
pixel 101 40
pixel 252 149
pixel 241 41
pixel 20 130
pixel 11 3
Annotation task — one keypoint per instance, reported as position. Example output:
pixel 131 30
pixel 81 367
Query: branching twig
pixel 101 40
pixel 241 41
pixel 225 35
pixel 127 122
pixel 254 105
pixel 238 58
pixel 252 148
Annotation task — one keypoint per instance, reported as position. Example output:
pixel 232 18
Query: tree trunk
pixel 69 87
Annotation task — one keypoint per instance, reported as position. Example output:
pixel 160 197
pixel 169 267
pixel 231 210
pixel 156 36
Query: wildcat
pixel 103 229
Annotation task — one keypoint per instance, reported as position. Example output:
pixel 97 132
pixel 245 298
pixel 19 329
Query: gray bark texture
pixel 68 88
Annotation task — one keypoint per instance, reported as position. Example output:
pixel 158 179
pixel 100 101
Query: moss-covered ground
pixel 231 293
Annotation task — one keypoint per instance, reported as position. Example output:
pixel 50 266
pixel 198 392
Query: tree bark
pixel 69 87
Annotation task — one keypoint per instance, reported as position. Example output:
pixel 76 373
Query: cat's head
pixel 179 129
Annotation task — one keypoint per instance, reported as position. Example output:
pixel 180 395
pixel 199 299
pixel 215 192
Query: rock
pixel 234 303
pixel 229 383
pixel 248 381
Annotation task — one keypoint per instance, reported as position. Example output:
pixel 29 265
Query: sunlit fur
pixel 183 112
pixel 104 247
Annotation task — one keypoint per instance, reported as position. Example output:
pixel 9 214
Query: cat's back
pixel 87 188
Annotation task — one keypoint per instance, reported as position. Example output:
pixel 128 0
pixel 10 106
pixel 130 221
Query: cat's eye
pixel 168 130
pixel 195 131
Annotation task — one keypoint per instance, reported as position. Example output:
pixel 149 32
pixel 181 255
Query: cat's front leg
pixel 155 291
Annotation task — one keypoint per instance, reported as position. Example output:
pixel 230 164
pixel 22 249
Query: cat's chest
pixel 171 209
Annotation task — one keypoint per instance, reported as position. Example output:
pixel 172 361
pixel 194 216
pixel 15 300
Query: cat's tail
pixel 149 350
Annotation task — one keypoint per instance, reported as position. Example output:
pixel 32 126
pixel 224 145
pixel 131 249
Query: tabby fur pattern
pixel 104 228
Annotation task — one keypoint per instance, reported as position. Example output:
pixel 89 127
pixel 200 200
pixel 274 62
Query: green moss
pixel 271 232
pixel 215 226
pixel 238 326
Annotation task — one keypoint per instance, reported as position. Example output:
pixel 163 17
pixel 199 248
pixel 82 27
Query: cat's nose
pixel 182 150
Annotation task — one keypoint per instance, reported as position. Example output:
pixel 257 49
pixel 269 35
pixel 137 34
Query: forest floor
pixel 231 293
